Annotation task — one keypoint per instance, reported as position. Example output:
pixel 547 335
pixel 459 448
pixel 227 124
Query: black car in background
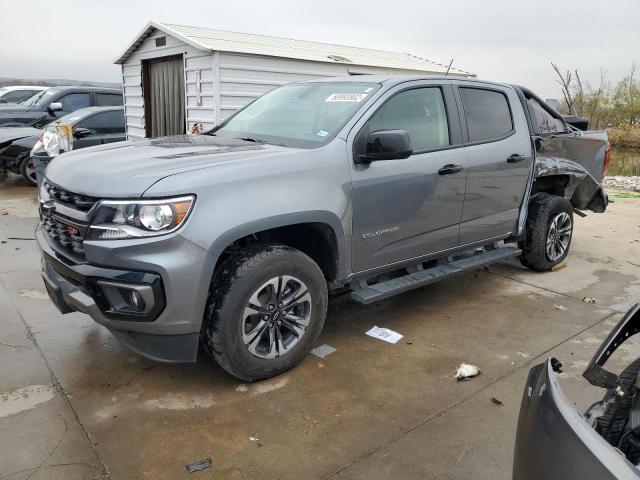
pixel 90 126
pixel 44 107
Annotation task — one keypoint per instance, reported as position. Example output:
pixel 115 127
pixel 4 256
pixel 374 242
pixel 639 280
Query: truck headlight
pixel 118 219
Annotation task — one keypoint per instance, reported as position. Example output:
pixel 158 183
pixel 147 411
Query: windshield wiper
pixel 254 140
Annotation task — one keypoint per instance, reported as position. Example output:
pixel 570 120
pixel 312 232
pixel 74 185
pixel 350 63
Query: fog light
pixel 128 298
pixel 134 299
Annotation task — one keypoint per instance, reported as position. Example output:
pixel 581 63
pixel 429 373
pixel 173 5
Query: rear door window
pixel 419 111
pixel 108 99
pixel 488 114
pixel 74 101
pixel 543 120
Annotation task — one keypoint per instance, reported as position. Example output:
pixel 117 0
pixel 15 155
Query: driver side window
pixel 74 101
pixel 419 111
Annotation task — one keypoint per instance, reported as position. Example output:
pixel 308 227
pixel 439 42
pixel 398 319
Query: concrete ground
pixel 75 405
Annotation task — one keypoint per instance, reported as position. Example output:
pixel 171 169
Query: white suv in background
pixel 19 93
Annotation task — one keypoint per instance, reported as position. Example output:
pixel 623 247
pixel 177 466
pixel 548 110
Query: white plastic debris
pixel 560 307
pixel 254 439
pixel 589 300
pixel 323 351
pixel 466 371
pixel 384 334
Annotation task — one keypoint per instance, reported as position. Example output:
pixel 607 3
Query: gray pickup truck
pixel 234 239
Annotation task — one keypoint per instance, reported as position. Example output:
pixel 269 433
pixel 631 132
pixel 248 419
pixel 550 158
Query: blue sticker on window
pixel 322 133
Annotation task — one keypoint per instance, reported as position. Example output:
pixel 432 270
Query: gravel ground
pixel 629 184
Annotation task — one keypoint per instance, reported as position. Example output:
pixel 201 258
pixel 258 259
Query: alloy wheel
pixel 558 236
pixel 30 170
pixel 276 317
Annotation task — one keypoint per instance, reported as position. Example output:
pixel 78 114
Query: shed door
pixel 164 97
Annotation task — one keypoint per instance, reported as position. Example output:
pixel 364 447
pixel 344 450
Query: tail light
pixel 607 160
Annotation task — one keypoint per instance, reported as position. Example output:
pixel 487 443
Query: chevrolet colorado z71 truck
pixel 234 239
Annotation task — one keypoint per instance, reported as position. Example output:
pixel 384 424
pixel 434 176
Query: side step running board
pixel 379 291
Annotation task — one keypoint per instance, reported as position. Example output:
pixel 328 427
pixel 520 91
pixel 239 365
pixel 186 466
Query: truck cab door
pixel 410 207
pixel 498 145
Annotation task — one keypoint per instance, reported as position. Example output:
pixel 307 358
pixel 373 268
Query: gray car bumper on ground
pixel 554 441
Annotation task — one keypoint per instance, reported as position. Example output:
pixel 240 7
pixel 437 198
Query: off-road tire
pixel 231 287
pixel 542 209
pixel 23 171
pixel 4 174
pixel 611 425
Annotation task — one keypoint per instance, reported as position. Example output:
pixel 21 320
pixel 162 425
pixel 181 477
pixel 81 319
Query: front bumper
pixel 170 330
pixel 554 441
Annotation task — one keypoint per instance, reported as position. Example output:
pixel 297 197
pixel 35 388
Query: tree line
pixel 605 105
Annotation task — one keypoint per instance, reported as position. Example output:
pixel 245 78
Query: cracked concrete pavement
pixel 75 404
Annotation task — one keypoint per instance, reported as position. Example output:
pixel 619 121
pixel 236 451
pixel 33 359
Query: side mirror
pixel 81 132
pixel 55 107
pixel 386 145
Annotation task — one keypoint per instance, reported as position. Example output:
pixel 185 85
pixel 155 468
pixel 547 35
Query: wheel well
pixel 317 240
pixel 552 184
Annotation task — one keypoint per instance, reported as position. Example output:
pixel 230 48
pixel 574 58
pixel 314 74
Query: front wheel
pixel 265 309
pixel 549 231
pixel 28 170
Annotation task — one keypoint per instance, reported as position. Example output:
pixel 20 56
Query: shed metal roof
pixel 207 39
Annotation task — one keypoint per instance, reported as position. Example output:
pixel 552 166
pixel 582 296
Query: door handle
pixel 515 158
pixel 450 169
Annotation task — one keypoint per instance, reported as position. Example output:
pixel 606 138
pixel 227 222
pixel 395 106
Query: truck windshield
pixel 39 98
pixel 302 115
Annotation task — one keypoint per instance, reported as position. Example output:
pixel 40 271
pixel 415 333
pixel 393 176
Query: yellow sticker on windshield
pixel 346 97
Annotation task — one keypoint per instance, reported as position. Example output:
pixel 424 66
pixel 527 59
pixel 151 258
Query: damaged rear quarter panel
pixel 579 157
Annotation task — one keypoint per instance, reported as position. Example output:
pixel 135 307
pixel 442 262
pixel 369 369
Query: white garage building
pixel 176 76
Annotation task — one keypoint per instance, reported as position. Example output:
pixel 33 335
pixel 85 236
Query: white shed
pixel 176 76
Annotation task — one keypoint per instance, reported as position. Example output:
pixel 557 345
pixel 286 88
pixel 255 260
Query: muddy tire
pixel 611 425
pixel 266 307
pixel 548 233
pixel 28 170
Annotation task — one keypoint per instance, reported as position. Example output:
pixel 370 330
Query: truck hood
pixel 127 169
pixel 13 108
pixel 9 134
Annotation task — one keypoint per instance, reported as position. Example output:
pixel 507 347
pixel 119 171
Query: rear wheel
pixel 28 170
pixel 548 232
pixel 265 309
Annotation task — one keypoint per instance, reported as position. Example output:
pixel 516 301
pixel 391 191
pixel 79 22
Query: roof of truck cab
pixel 396 79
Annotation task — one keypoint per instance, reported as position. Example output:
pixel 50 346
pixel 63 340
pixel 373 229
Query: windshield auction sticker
pixel 346 97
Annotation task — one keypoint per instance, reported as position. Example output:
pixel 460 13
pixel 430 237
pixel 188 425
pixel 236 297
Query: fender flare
pixel 294 218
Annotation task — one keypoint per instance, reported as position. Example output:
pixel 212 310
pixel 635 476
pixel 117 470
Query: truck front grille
pixel 75 200
pixel 67 236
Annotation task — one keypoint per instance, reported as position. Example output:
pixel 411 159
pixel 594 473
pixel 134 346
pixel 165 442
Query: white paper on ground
pixel 384 334
pixel 323 351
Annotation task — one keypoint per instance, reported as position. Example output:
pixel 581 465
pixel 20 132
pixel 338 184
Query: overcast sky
pixel 509 40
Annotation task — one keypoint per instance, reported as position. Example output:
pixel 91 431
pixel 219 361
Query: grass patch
pixel 624 195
